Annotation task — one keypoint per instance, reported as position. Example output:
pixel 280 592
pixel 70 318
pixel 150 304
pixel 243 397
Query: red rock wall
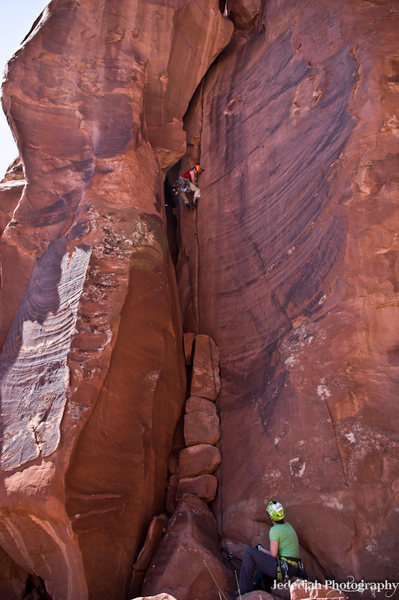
pixel 293 269
pixel 289 263
pixel 92 367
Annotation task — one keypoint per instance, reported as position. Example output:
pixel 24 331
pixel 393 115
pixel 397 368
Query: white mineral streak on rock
pixel 35 375
pixel 297 466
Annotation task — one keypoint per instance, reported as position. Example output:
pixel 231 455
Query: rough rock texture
pixel 171 492
pixel 203 486
pixel 157 597
pixel 290 264
pixel 310 590
pixel 191 467
pixel 11 189
pixel 293 268
pixel 92 371
pixel 195 460
pixel 205 380
pixel 201 427
pixel 188 340
pixel 195 404
pixel 257 595
pixel 12 578
pixel 189 548
pixel 154 535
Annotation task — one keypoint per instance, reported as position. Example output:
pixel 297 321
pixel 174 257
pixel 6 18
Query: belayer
pixel 188 182
pixel 279 563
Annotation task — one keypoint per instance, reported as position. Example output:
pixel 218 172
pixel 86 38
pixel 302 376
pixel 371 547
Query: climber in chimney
pixel 279 563
pixel 188 182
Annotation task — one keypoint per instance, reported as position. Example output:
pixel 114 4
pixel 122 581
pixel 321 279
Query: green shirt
pixel 287 539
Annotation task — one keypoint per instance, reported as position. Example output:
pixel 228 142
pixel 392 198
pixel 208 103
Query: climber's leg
pixel 184 198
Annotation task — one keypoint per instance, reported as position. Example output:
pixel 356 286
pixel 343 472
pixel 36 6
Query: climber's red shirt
pixel 187 175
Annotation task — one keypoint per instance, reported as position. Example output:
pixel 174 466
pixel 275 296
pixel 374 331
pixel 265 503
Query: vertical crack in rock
pixel 33 363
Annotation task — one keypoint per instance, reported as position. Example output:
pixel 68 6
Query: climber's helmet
pixel 199 169
pixel 275 510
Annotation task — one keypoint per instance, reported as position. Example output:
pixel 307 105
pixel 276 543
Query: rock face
pixel 154 536
pixel 257 595
pixel 189 556
pixel 290 264
pixel 302 590
pixel 205 381
pixel 293 263
pixel 92 367
pixel 157 597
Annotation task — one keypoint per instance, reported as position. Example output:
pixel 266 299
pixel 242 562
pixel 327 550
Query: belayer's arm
pixel 273 548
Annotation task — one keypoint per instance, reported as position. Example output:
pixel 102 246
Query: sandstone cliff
pixel 289 263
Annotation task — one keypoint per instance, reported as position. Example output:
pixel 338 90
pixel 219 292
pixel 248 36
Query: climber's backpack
pixel 181 185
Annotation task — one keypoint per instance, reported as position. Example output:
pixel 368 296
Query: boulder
pixel 157 597
pixel 203 486
pixel 206 378
pixel 154 534
pixel 198 459
pixel 257 595
pixel 187 554
pixel 244 13
pixel 201 428
pixel 311 590
pixel 193 403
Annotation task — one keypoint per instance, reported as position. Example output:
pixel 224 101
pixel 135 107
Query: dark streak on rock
pixel 112 122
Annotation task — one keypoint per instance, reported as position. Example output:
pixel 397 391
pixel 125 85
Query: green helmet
pixel 275 510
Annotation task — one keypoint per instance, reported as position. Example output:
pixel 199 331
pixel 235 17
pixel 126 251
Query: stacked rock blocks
pixel 200 458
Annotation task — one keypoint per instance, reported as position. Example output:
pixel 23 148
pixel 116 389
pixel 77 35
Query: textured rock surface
pixel 201 427
pixel 11 189
pixel 257 595
pixel 206 380
pixel 190 546
pixel 293 263
pixel 12 578
pixel 157 597
pixel 154 535
pixel 203 486
pixel 188 339
pixel 195 404
pixel 290 263
pixel 307 590
pixel 195 460
pixel 92 365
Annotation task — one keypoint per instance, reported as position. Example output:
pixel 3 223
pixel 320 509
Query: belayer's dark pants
pixel 256 559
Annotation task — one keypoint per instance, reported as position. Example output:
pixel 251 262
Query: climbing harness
pixel 282 568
